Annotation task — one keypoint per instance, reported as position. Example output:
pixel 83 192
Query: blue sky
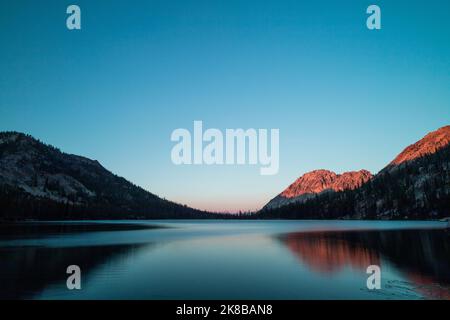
pixel 343 97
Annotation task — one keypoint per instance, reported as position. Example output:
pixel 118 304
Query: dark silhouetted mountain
pixel 415 185
pixel 38 181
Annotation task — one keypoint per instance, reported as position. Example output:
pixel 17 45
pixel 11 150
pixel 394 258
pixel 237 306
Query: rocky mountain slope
pixel 429 144
pixel 415 185
pixel 38 181
pixel 317 182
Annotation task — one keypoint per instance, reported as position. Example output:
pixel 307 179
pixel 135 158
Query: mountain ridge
pixel 319 181
pixel 39 181
pixel 415 184
pixel 429 144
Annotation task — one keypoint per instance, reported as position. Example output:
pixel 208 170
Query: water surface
pixel 225 259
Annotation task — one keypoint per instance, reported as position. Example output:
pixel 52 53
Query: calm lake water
pixel 225 259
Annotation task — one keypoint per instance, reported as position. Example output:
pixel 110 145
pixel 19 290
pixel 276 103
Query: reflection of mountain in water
pixel 18 230
pixel 326 254
pixel 27 271
pixel 422 255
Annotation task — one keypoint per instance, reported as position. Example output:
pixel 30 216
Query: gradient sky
pixel 343 97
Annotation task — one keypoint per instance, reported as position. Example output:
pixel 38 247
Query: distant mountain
pixel 316 182
pixel 38 181
pixel 415 185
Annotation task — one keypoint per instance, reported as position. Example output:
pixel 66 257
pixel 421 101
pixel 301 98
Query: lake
pixel 225 259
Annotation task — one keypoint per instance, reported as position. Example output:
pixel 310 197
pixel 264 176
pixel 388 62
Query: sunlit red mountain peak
pixel 319 181
pixel 429 144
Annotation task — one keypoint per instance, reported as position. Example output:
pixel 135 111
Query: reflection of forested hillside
pixel 28 270
pixel 323 253
pixel 29 230
pixel 421 254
